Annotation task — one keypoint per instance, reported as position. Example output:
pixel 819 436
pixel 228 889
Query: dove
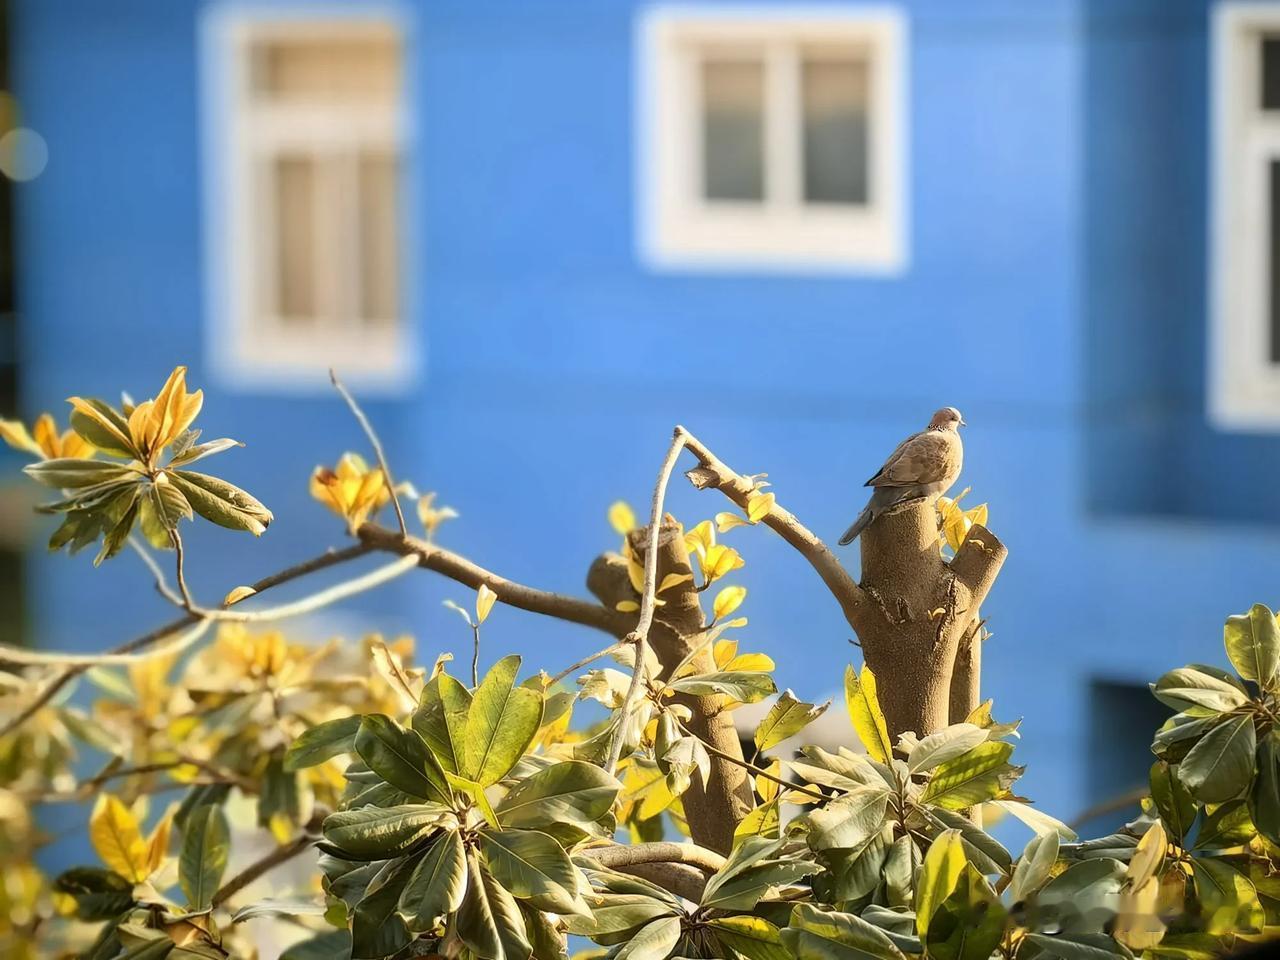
pixel 925 464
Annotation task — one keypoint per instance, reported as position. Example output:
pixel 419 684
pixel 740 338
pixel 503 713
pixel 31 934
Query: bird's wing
pixel 924 458
pixel 897 451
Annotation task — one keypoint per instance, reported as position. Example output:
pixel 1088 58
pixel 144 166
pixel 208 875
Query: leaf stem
pixel 759 772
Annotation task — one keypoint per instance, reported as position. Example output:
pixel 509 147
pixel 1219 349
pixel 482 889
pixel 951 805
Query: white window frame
pixel 678 229
pixel 243 352
pixel 1244 386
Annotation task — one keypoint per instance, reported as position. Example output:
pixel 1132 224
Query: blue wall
pixel 1055 294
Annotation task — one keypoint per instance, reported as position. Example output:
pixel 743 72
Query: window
pixel 307 150
pixel 1245 355
pixel 772 138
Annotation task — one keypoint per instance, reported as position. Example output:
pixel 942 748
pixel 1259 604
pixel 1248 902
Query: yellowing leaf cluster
pixel 44 440
pixel 956 522
pixel 353 490
pixel 117 837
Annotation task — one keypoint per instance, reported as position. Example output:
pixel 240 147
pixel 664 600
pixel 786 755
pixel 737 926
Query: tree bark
pixel 714 809
pixel 912 611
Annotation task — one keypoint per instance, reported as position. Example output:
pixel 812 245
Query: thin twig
pixel 715 752
pixel 377 447
pixel 258 868
pixel 308 604
pixel 1123 801
pixel 475 655
pixel 585 661
pixel 327 559
pixel 179 564
pixel 161 584
pixel 640 635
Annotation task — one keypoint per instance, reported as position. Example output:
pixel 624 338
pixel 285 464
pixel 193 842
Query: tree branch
pixel 640 635
pixel 259 868
pixel 459 568
pixel 713 472
pixel 617 856
pixel 328 559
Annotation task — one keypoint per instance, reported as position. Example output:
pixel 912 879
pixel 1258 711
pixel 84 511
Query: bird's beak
pixel 963 422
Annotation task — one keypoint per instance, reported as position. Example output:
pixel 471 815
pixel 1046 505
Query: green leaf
pixel 379 833
pixel 206 843
pixel 967 925
pixel 376 929
pixel 502 722
pixel 939 874
pixel 849 820
pixel 532 866
pixel 437 885
pixel 170 506
pixel 401 758
pixel 74 473
pixel 1264 798
pixel 280 908
pixel 442 720
pixel 109 441
pixel 655 941
pixel 322 742
pixel 816 933
pixel 116 537
pixel 977 776
pixel 282 793
pixel 617 913
pixel 746 686
pixel 1253 645
pixel 221 502
pixel 489 921
pixel 1229 825
pixel 334 945
pixel 864 710
pixel 1081 899
pixel 98 894
pixel 1176 806
pixel 743 889
pixel 1034 867
pixel 947 744
pixel 568 792
pixel 1081 947
pixel 1228 900
pixel 1036 819
pixel 900 866
pixel 787 717
pixel 752 938
pixel 1220 767
pixel 191 454
pixel 1194 686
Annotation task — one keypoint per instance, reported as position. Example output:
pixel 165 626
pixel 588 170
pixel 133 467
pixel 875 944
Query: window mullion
pixel 783 160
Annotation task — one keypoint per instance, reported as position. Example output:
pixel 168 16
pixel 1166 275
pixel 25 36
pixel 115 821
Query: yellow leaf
pixel 755 662
pixel 728 600
pixel 113 830
pixel 768 789
pixel 981 715
pixel 939 874
pixel 15 435
pixel 724 651
pixel 627 606
pixel 622 517
pixel 438 668
pixel 718 561
pixel 700 539
pixel 865 712
pixel 485 598
pixel 759 505
pixel 727 521
pixel 674 580
pixel 158 844
pixel 636 573
pixel 1147 856
pixel 238 594
pixel 83 406
pixel 432 516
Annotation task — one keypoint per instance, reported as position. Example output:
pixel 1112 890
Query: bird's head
pixel 948 418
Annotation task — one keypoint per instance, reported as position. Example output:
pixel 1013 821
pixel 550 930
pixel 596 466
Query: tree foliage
pixel 427 813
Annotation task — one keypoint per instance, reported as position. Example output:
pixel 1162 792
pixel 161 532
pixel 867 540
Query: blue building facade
pixel 1053 283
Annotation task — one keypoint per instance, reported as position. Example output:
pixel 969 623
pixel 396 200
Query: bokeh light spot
pixel 23 154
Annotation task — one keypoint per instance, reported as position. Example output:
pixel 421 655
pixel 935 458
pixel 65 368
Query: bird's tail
pixel 864 518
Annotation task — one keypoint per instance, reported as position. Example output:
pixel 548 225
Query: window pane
pixel 1273 261
pixel 295 204
pixel 328 68
pixel 733 130
pixel 1270 73
pixel 378 232
pixel 835 130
